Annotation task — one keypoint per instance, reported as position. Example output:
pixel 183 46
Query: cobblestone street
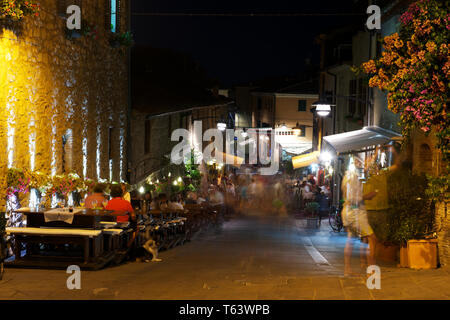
pixel 250 258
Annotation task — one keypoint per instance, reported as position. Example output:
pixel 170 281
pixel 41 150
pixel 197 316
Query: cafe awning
pixel 305 160
pixel 359 139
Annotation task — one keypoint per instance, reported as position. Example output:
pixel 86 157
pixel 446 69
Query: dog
pixel 150 247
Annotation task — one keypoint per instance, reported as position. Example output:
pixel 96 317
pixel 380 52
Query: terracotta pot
pixel 386 253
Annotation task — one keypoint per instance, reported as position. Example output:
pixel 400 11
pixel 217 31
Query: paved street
pixel 250 258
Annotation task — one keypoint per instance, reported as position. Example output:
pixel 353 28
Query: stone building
pixel 64 96
pixel 169 91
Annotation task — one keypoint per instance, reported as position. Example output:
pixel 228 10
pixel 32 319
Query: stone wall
pixel 427 159
pixel 49 84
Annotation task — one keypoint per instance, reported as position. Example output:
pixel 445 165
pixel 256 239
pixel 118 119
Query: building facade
pixel 64 95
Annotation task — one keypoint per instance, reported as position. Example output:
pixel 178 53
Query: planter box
pixel 422 254
pixel 404 263
pixel 386 253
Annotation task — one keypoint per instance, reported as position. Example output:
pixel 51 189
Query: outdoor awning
pixel 359 139
pixel 305 160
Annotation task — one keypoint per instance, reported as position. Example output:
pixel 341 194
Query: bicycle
pixel 335 219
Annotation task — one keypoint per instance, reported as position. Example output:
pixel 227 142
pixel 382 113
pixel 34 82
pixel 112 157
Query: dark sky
pixel 240 49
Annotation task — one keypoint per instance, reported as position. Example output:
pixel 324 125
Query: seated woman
pixel 118 203
pixel 97 198
pixel 175 203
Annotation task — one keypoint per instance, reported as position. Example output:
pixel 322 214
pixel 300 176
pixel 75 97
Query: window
pixel 113 15
pixel 147 136
pixel 302 131
pixel 301 105
pixel 352 101
pixel 362 96
pixel 112 19
pixel 259 103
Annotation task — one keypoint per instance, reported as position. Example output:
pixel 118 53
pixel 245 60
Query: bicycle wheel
pixel 334 221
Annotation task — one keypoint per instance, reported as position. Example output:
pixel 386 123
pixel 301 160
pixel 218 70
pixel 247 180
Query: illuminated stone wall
pixel 427 159
pixel 49 84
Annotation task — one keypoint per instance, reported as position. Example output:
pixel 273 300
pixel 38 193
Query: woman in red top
pixel 118 203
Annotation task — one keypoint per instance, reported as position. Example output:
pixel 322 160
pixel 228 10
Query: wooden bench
pixel 57 236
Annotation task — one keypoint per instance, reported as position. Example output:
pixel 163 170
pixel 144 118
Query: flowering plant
pixel 89 30
pixel 17 182
pixel 17 9
pixel 414 69
pixel 62 185
pixel 121 39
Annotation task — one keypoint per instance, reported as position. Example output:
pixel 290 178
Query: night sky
pixel 240 49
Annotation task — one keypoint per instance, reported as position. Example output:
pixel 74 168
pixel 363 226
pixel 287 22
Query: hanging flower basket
pixel 17 9
pixel 118 40
pixel 88 30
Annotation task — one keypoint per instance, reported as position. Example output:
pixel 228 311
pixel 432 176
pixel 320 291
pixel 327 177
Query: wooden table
pixel 86 219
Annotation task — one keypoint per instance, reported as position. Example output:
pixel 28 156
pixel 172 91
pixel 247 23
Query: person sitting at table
pixel 126 195
pixel 118 203
pixel 97 198
pixel 175 203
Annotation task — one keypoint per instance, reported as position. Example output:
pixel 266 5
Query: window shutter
pixel 118 15
pixel 108 15
pixel 61 6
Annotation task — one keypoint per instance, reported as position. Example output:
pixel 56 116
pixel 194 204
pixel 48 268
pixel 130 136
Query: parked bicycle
pixel 335 219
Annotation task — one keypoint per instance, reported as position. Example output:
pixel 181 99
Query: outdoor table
pixel 87 218
pixel 58 232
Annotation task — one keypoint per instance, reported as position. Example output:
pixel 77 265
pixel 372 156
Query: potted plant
pixel 118 40
pixel 88 30
pixel 410 220
pixel 312 221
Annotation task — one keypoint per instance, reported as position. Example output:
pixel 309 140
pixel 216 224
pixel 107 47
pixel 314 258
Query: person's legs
pixel 371 249
pixel 348 254
pixel 363 253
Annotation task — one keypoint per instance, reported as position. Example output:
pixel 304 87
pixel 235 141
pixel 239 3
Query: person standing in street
pixel 354 218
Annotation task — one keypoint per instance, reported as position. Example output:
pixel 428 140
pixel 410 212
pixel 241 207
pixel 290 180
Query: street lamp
pixel 221 126
pixel 323 107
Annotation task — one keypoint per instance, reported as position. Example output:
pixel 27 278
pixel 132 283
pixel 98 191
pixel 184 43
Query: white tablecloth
pixel 60 214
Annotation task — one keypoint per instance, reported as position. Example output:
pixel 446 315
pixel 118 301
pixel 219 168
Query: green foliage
pixel 438 187
pixel 312 208
pixel 411 214
pixel 192 171
pixel 121 39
